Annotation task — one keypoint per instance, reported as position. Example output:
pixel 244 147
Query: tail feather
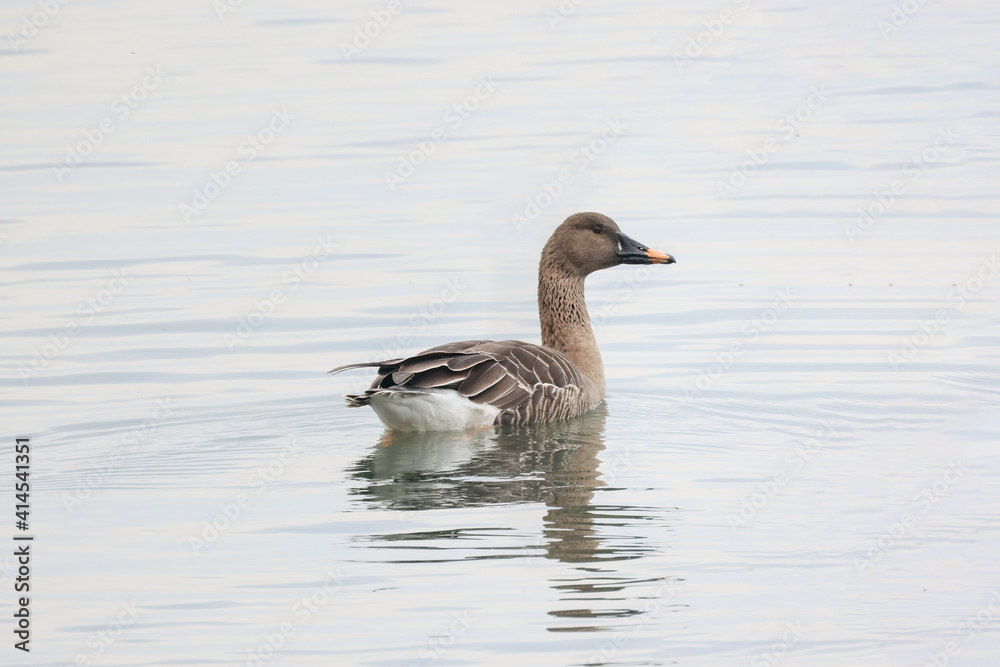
pixel 365 397
pixel 358 400
pixel 364 364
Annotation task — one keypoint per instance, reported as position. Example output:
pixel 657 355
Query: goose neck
pixel 565 322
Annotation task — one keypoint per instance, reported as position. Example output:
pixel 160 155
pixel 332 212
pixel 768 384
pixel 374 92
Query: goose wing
pixel 525 382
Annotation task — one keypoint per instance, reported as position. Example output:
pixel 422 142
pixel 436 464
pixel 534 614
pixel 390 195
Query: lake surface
pixel 207 206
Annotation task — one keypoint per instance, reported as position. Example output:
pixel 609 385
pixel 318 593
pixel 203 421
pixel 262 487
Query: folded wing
pixel 526 382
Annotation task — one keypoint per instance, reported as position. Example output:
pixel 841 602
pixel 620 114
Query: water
pixel 794 464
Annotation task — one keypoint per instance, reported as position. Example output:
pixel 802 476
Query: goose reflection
pixel 555 464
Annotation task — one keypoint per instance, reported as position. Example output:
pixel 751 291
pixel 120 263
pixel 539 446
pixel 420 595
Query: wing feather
pixel 464 361
pixel 525 382
pixel 436 377
pixel 497 390
pixel 481 378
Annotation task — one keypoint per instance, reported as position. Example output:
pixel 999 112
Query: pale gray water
pixel 726 506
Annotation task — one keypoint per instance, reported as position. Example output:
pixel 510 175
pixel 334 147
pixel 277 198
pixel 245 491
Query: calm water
pixel 205 209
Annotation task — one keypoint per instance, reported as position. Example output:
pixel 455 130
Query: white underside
pixel 430 410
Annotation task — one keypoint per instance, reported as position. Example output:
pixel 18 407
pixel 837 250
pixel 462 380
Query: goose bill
pixel 633 252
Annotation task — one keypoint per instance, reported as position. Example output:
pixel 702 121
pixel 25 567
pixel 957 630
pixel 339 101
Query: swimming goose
pixel 477 383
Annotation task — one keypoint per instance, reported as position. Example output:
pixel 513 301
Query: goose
pixel 481 383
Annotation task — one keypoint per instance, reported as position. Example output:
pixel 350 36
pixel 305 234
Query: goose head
pixel 588 242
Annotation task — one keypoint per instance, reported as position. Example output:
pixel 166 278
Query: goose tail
pixel 358 400
pixel 363 364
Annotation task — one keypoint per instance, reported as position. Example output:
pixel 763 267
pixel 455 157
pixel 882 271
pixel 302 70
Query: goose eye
pixel 598 229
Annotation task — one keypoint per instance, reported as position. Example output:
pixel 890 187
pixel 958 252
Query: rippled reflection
pixel 553 464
